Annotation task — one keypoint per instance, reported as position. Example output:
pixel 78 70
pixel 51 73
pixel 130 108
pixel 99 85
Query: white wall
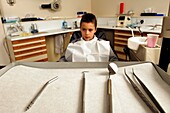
pixel 69 8
pixel 4 59
pixel 111 7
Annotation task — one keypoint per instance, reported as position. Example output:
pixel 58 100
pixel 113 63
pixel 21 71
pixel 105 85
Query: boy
pixel 88 26
pixel 88 48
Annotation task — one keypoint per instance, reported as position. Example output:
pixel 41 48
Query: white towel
pixel 59 40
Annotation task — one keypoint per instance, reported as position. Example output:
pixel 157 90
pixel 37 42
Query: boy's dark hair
pixel 89 17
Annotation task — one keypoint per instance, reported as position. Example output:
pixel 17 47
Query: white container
pixel 134 42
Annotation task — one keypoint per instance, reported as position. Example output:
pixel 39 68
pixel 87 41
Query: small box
pixel 148 54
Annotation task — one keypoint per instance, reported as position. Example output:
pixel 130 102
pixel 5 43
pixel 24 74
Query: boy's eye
pixel 90 30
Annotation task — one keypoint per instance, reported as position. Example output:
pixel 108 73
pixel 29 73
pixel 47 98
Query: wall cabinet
pixel 27 50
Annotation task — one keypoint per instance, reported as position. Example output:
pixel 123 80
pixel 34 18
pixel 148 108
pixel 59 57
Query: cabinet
pixel 27 50
pixel 121 38
pixel 120 41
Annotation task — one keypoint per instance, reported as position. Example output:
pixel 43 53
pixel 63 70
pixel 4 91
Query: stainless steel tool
pixel 149 93
pixel 152 103
pixel 41 90
pixel 112 67
pixel 83 91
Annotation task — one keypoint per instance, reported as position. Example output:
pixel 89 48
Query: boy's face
pixel 87 30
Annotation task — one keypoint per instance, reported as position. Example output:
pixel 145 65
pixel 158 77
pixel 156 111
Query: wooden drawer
pixel 36 44
pixel 121 39
pixel 121 56
pixel 28 40
pixel 30 55
pixel 29 50
pixel 119 48
pixel 32 49
pixel 39 58
pixel 42 60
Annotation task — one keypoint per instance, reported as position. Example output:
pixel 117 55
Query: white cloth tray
pixel 19 82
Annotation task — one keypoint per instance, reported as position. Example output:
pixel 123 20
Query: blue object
pixel 159 14
pixel 64 25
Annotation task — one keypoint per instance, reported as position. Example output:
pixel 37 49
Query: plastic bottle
pixel 64 25
pixel 121 8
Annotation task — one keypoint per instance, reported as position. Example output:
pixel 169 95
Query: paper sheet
pixel 20 84
pixel 129 100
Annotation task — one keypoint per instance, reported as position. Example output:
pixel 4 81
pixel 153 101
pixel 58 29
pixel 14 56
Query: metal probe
pixel 83 91
pixel 41 90
pixel 112 67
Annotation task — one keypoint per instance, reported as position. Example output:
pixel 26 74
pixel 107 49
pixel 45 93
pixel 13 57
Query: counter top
pixel 60 31
pixel 44 33
pixel 143 29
